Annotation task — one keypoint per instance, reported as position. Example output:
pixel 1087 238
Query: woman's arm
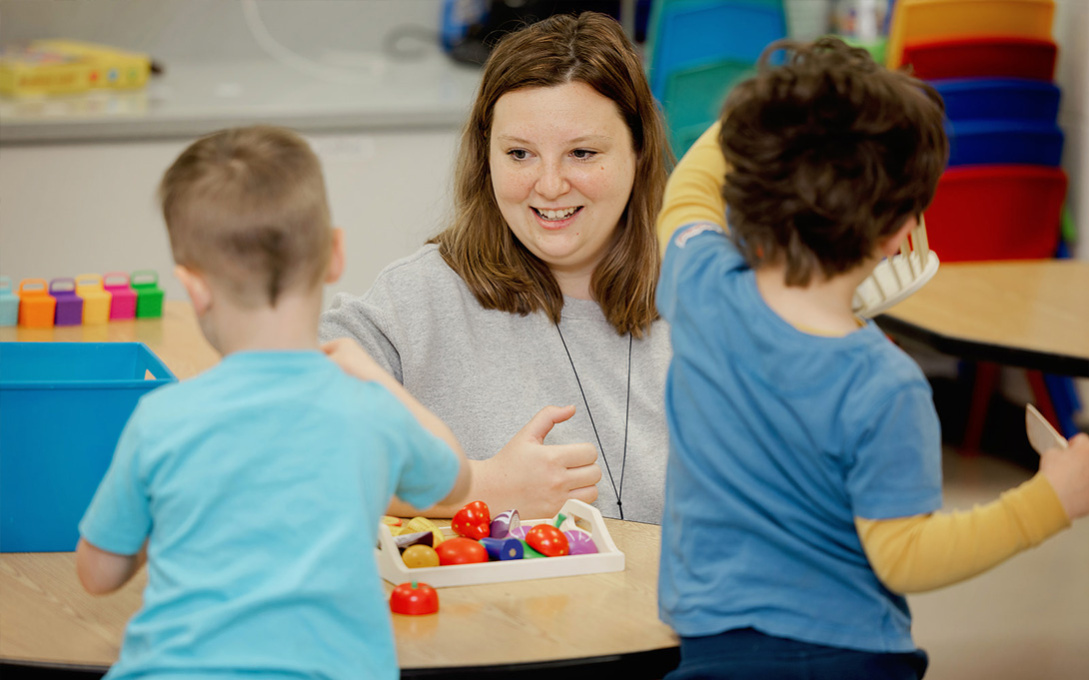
pixel 527 474
pixel 103 572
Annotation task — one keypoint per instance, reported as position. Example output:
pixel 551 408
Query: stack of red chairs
pixel 1002 196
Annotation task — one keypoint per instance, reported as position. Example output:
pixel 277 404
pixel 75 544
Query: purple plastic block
pixel 69 305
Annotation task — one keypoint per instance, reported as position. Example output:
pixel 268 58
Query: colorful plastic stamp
pixel 69 311
pixel 9 303
pixel 149 297
pixel 96 299
pixel 123 300
pixel 36 305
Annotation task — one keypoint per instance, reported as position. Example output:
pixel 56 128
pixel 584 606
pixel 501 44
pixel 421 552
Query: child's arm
pixel 915 554
pixel 355 361
pixel 694 190
pixel 103 572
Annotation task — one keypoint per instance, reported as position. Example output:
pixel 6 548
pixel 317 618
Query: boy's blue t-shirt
pixel 261 484
pixel 778 440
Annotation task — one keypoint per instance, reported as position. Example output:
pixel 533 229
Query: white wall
pixel 70 209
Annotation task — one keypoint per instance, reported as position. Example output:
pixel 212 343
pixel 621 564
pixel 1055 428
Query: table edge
pixel 1048 362
pixel 644 663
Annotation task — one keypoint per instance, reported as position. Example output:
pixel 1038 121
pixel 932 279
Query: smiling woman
pixel 562 169
pixel 528 325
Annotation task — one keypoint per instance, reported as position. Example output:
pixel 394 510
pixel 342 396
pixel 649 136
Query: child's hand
pixel 1068 471
pixel 354 360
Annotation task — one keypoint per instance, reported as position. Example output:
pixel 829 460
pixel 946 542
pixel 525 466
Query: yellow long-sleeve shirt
pixel 908 554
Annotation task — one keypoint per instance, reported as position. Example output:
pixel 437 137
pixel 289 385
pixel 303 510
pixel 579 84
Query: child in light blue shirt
pixel 254 491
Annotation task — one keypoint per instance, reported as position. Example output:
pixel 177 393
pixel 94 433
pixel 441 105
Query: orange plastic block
pixel 36 305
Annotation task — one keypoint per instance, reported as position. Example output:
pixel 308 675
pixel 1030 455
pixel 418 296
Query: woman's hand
pixel 528 475
pixel 536 478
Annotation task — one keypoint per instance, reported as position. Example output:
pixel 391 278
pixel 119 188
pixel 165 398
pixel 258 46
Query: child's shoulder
pixel 884 370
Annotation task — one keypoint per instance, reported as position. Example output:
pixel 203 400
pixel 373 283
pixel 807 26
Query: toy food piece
pixel 422 524
pixel 548 540
pixel 528 553
pixel 419 556
pixel 564 523
pixel 580 542
pixel 391 521
pixel 472 521
pixel 419 538
pixel 503 523
pixel 414 599
pixel 519 532
pixel 461 550
pixel 500 549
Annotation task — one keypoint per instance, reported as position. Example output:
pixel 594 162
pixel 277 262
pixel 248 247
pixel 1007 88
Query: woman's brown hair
pixel 828 154
pixel 590 48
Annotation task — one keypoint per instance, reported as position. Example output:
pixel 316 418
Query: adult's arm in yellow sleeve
pixel 924 552
pixel 694 190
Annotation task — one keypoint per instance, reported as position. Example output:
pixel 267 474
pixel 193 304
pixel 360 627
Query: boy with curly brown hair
pixel 804 476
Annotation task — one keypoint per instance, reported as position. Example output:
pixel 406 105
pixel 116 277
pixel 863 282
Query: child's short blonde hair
pixel 246 208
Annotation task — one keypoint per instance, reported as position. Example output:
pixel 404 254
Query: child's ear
pixel 891 245
pixel 336 259
pixel 196 286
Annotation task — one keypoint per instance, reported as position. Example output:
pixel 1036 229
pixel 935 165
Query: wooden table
pixel 1028 313
pixel 598 625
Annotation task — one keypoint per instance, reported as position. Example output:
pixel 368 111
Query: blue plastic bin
pixel 62 408
pixel 1004 142
pixel 999 98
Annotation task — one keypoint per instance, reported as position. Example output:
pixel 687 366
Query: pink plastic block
pixel 123 300
pixel 69 305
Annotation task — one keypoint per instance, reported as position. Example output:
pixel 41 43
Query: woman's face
pixel 562 166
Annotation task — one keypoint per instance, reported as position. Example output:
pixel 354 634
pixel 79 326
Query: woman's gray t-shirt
pixel 485 373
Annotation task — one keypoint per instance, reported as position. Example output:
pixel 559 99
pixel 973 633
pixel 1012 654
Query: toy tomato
pixel 547 540
pixel 417 556
pixel 461 550
pixel 472 521
pixel 414 599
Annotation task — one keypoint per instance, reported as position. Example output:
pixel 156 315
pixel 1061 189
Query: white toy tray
pixel 608 558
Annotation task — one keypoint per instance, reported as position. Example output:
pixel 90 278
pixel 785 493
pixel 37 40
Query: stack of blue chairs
pixel 698 49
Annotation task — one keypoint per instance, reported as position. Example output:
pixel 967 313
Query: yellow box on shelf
pixel 45 67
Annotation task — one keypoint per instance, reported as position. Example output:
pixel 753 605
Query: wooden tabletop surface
pixel 1030 313
pixel 45 616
